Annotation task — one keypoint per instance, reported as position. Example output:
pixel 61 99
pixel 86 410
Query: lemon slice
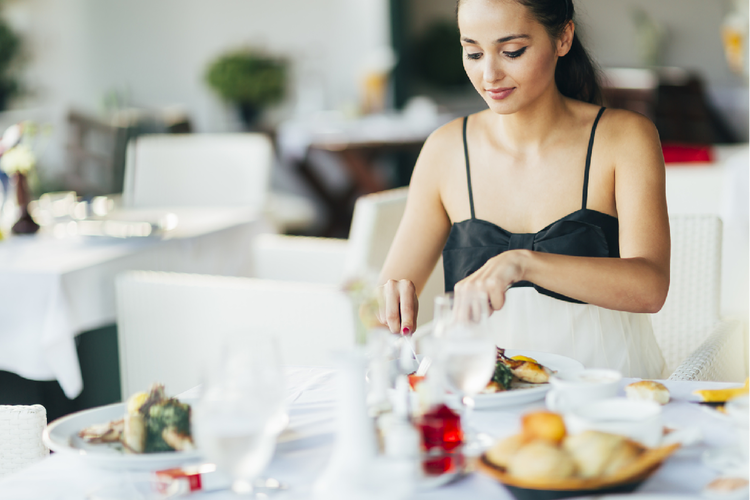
pixel 136 401
pixel 722 395
pixel 525 358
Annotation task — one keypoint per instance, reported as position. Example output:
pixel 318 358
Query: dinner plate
pixel 61 436
pixel 527 393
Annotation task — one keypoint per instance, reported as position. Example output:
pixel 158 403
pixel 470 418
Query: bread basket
pixel 626 480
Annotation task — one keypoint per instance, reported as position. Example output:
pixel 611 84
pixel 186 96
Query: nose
pixel 492 70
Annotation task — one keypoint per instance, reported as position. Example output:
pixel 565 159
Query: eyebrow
pixel 499 40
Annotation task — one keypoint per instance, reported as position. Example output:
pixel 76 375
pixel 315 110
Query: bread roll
pixel 648 390
pixel 625 454
pixel 504 449
pixel 591 451
pixel 541 460
pixel 543 425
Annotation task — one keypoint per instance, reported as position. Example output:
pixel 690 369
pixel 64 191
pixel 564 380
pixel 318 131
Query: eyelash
pixel 512 55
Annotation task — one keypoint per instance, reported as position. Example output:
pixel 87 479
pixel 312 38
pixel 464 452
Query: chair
pixel 204 170
pixel 168 323
pixel 21 443
pixel 696 342
pixel 333 261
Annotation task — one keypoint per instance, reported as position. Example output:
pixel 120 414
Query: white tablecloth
pixel 311 397
pixel 52 289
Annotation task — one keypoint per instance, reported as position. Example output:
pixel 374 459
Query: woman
pixel 552 205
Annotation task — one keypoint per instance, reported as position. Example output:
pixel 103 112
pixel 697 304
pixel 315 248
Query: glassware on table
pixel 464 353
pixel 241 409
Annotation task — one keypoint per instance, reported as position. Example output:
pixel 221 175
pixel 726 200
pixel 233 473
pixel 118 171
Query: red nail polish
pixel 406 330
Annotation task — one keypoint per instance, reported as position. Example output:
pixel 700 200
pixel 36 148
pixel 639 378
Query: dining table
pixel 58 283
pixel 311 402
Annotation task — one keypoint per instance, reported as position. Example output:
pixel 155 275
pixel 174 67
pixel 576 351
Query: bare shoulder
pixel 442 147
pixel 621 128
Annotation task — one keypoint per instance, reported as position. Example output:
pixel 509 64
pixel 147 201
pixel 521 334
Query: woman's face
pixel 508 55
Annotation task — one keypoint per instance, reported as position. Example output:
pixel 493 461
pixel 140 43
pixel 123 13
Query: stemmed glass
pixel 464 351
pixel 241 409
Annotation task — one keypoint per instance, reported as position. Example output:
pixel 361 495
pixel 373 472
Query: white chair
pixel 696 342
pixel 168 323
pixel 205 170
pixel 333 261
pixel 21 443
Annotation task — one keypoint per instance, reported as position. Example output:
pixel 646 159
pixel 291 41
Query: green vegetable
pixel 502 375
pixel 162 415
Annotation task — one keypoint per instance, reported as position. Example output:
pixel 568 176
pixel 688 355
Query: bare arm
pixel 639 280
pixel 418 241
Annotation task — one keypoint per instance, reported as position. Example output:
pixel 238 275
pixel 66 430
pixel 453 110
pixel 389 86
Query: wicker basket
pixel 21 430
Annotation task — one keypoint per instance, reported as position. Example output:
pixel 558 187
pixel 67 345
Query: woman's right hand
pixel 398 306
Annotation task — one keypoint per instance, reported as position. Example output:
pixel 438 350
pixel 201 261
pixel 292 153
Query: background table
pixel 52 289
pixel 311 397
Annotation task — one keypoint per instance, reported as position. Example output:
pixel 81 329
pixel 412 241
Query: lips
pixel 500 93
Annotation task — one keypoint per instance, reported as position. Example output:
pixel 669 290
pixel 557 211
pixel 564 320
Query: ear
pixel 566 39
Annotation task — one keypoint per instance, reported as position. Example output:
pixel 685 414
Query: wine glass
pixel 241 409
pixel 465 352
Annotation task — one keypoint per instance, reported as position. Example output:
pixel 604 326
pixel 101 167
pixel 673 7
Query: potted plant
pixel 250 79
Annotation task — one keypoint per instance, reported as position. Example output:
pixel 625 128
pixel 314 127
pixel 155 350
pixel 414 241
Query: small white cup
pixel 638 420
pixel 573 389
pixel 737 410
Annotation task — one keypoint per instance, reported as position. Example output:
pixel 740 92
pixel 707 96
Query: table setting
pixel 366 427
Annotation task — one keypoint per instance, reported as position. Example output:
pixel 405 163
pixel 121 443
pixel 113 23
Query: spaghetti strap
pixel 588 159
pixel 468 170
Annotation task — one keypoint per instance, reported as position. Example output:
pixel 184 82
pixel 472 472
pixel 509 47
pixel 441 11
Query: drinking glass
pixel 241 411
pixel 465 352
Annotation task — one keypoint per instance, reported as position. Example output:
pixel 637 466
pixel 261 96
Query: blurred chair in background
pixel 169 324
pixel 333 261
pixel 21 443
pixel 696 342
pixel 203 170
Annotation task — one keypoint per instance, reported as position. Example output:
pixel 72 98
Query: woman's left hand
pixel 496 276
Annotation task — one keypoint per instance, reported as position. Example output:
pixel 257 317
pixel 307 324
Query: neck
pixel 536 125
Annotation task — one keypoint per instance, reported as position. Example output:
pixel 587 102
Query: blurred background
pixel 347 91
pixel 101 72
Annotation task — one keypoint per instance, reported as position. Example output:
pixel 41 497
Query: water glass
pixel 241 412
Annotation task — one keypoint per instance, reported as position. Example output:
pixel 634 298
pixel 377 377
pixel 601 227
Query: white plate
pixel 530 392
pixel 62 436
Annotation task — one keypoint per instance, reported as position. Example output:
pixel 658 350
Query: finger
pixel 409 306
pixel 380 293
pixel 392 307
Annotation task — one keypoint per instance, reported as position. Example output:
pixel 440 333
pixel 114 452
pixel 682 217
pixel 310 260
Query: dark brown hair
pixel 576 75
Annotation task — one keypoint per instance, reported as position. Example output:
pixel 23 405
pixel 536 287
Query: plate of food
pixel 522 376
pixel 544 462
pixel 150 431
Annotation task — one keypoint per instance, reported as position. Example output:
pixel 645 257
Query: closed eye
pixel 474 56
pixel 515 53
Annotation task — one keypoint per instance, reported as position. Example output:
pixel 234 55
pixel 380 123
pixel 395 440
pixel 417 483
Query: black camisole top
pixel 583 233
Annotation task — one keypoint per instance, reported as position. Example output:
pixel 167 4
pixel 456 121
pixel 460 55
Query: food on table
pixel 541 460
pixel 648 390
pixel 504 449
pixel 544 452
pixel 726 485
pixel 544 425
pixel 415 380
pixel 153 423
pixel 524 358
pixel 723 395
pixel 528 371
pixel 599 453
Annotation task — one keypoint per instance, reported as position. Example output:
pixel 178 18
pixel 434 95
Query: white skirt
pixel 595 336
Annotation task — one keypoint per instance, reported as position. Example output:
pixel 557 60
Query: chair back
pixel 168 323
pixel 21 443
pixel 194 170
pixel 374 224
pixel 692 305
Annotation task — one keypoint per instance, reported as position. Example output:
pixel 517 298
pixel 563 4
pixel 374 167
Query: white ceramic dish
pixel 528 392
pixel 61 436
